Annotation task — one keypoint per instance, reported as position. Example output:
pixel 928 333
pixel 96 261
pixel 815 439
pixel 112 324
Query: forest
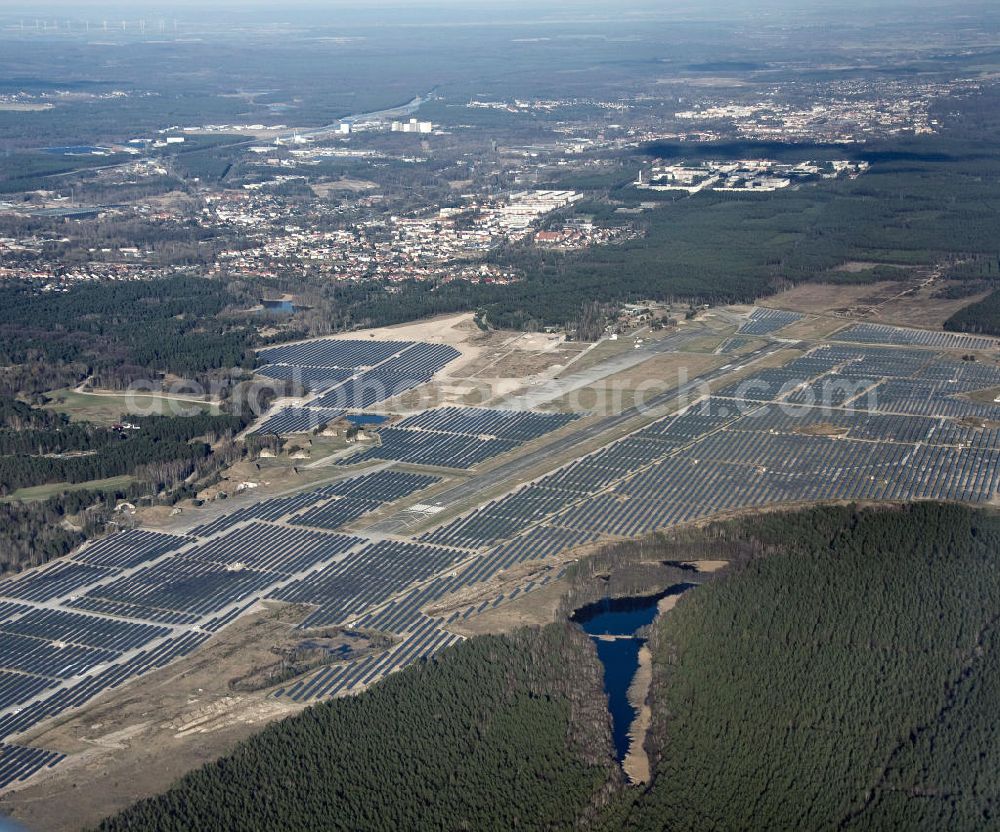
pixel 164 458
pixel 497 733
pixel 841 680
pixel 982 317
pixel 35 533
pixel 842 675
pixel 175 324
pixel 62 451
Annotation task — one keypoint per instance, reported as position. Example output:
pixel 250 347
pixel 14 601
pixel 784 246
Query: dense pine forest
pixel 842 675
pixel 845 681
pixel 497 733
pixel 33 533
pixel 983 317
pixel 174 324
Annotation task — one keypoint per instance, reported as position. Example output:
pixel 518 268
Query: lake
pixel 621 617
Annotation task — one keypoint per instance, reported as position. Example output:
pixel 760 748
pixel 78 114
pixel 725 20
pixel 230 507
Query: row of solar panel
pixel 764 321
pixel 867 333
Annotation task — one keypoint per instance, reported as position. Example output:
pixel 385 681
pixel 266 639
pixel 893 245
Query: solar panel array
pixel 129 548
pixel 734 344
pixel 362 496
pixel 350 374
pixel 898 336
pixel 52 581
pixel 541 579
pixel 271 509
pixel 421 360
pixel 537 544
pixel 299 419
pixel 334 514
pixel 927 398
pixel 368 490
pixel 460 437
pixel 366 578
pixel 83 630
pixel 19 763
pixel 764 321
pixel 442 450
pixel 370 388
pixel 516 425
pixel 134 602
pixel 333 352
pixel 382 486
pixel 726 454
pixel 423 639
pixel 207 579
pixel 315 379
pixel 52 658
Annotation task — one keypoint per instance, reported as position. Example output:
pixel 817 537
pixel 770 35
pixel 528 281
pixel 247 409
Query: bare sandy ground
pixel 636 762
pixel 706 566
pixel 904 303
pixel 138 740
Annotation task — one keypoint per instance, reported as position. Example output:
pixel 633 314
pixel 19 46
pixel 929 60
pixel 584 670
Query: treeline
pixel 162 451
pixel 496 733
pixel 168 459
pixel 982 317
pixel 31 430
pixel 37 376
pixel 17 415
pixel 847 680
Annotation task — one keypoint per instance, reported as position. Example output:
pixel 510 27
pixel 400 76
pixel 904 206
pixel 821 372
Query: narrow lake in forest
pixel 612 623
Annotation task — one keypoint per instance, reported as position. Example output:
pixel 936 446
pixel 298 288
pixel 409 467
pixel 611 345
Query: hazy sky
pixel 470 11
pixel 543 8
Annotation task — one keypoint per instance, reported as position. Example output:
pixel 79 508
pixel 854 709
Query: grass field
pixel 108 408
pixel 43 492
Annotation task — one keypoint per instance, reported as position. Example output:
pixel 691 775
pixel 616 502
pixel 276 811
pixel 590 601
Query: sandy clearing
pixel 136 740
pixel 636 762
pixel 903 302
pixel 706 565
